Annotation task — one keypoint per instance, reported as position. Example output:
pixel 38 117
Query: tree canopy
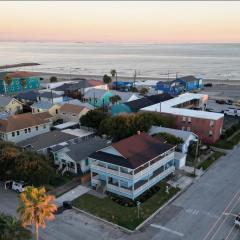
pixel 143 91
pixel 171 138
pixel 107 79
pixel 53 79
pixel 93 118
pixel 115 99
pixel 11 229
pixel 28 166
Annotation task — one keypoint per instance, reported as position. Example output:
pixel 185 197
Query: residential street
pixel 198 214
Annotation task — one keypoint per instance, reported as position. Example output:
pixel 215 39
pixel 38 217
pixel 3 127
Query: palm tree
pixel 11 229
pixel 8 80
pixel 107 79
pixel 23 83
pixel 36 207
pixel 114 99
pixel 114 74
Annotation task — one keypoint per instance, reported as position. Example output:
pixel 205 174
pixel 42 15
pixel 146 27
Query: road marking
pixel 214 225
pixel 167 230
pixel 219 227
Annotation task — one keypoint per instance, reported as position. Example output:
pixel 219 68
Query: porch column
pixel 75 167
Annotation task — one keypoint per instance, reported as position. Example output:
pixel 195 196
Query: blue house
pixel 132 166
pixel 13 82
pixel 190 83
pixel 180 85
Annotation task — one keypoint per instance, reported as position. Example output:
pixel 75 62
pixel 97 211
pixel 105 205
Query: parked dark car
pixel 65 206
pixel 220 101
pixel 207 85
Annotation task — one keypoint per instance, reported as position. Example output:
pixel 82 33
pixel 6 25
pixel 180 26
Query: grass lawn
pixel 124 216
pixel 208 162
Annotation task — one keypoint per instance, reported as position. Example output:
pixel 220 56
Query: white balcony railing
pixel 151 168
pixel 119 189
pixel 155 179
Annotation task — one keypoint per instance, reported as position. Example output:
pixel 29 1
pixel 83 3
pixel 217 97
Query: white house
pixel 187 137
pixel 19 127
pixel 74 157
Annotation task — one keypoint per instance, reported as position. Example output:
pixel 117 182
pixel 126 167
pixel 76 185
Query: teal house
pixel 98 97
pixel 14 82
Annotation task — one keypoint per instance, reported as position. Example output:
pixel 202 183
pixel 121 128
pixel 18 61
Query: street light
pixel 138 208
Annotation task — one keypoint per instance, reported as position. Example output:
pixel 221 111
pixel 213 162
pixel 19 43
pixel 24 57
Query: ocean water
pixel 216 61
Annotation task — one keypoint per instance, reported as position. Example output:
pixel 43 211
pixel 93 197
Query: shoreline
pixel 68 77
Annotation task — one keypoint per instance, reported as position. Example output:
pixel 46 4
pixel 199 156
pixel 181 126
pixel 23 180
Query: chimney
pixel 138 132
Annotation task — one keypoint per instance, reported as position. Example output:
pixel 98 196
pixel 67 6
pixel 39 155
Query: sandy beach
pixel 66 77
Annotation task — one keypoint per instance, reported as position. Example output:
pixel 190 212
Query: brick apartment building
pixel 190 115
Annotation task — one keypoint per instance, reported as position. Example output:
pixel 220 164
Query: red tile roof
pixel 141 148
pixel 94 83
pixel 20 74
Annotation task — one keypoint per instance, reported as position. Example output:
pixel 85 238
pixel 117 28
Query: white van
pixel 232 112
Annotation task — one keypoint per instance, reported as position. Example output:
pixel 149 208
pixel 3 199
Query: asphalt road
pixel 203 212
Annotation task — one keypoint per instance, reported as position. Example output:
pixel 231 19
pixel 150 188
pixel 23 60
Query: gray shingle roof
pixel 42 105
pixel 4 100
pixel 46 140
pixel 85 148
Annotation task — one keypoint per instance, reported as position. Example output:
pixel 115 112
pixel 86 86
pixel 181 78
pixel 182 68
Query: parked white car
pixel 16 186
pixel 232 112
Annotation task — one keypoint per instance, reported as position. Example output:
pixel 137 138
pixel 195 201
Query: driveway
pixel 72 194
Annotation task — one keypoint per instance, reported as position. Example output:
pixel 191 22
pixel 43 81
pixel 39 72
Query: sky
pixel 123 21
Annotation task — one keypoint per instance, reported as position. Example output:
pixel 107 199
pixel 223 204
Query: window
pixel 36 128
pixel 183 128
pixel 13 134
pixel 44 126
pixel 74 115
pixel 56 111
pixel 210 133
pixel 184 119
pixel 18 133
pixel 211 123
pixel 29 130
pixel 25 130
pixel 188 129
pixel 86 162
pixel 189 119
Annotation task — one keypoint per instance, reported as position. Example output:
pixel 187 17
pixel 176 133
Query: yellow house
pixel 10 105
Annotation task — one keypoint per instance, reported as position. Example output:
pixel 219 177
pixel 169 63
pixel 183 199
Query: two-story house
pixel 19 127
pixel 133 165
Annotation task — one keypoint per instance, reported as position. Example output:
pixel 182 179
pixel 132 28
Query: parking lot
pixel 8 200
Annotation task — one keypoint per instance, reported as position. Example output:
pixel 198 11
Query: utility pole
pixel 195 159
pixel 134 78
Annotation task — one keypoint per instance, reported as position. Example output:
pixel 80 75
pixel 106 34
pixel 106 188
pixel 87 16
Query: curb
pixel 158 210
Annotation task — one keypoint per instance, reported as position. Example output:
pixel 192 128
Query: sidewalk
pixel 72 194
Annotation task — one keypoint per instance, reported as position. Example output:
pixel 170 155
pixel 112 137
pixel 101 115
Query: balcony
pixel 150 167
pixel 119 189
pixel 154 180
pixel 95 166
